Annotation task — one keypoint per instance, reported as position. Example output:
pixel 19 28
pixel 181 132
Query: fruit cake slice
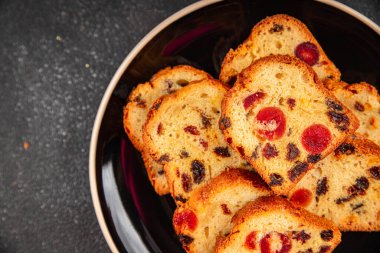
pixel 345 186
pixel 182 132
pixel 364 101
pixel 272 224
pixel 279 34
pixel 208 212
pixel 281 119
pixel 136 111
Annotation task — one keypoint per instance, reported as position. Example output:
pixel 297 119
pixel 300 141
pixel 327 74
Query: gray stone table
pixel 56 59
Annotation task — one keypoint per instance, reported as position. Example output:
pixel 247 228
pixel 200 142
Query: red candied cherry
pixel 272 123
pixel 250 241
pixel 308 52
pixel 251 99
pixel 302 197
pixel 316 138
pixel 275 239
pixel 185 219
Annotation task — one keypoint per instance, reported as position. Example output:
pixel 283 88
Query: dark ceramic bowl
pixel 132 217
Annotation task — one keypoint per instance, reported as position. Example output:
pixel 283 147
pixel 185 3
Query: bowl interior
pixel 137 218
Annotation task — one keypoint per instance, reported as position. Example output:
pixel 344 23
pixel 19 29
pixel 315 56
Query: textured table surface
pixel 57 58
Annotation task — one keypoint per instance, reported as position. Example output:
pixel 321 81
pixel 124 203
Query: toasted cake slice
pixel 136 111
pixel 182 132
pixel 345 186
pixel 279 34
pixel 208 212
pixel 272 224
pixel 364 101
pixel 281 119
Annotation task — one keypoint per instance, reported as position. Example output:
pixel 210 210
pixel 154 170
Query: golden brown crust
pixel 245 49
pixel 245 77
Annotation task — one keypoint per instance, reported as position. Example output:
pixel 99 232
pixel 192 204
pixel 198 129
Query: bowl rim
pixel 125 64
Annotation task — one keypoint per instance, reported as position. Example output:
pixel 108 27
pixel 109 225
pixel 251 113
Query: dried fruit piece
pixel 250 241
pixel 185 219
pixel 302 197
pixel 327 235
pixel 265 243
pixel 359 107
pixel 225 209
pixel 276 28
pixel 186 182
pixel 251 99
pixel 333 105
pixel 192 130
pixel 225 123
pixel 198 170
pixel 322 187
pixel 292 152
pixel 297 170
pixel 222 151
pixel 160 129
pixel 301 236
pixel 270 151
pixel 313 158
pixel 275 179
pixel 272 123
pixel 316 138
pixel 361 185
pixel 345 148
pixel 241 150
pixel 309 250
pixel 206 121
pixel 291 103
pixel 203 143
pixel 184 154
pixel 341 120
pixel 324 249
pixel 180 199
pixel 375 172
pixel 164 158
pixel 308 52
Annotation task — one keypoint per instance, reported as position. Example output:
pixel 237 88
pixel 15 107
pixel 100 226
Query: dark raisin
pixel 327 235
pixel 225 123
pixel 322 187
pixel 241 150
pixel 361 185
pixel 309 250
pixel 192 130
pixel 270 151
pixel 292 152
pixel 355 207
pixel 206 121
pixel 359 107
pixel 229 140
pixel 255 153
pixel 345 148
pixel 198 170
pixel 180 199
pixel 297 170
pixel 184 154
pixel 164 158
pixel 291 103
pixel 222 151
pixel 225 209
pixel 341 120
pixel 160 172
pixel 203 143
pixel 185 239
pixel 333 105
pixel 157 105
pixel 324 249
pixel 313 158
pixel 186 182
pixel 301 236
pixel 182 82
pixel 343 200
pixel 170 86
pixel 160 129
pixel 275 179
pixel 375 172
pixel 276 28
pixel 140 102
pixel 177 172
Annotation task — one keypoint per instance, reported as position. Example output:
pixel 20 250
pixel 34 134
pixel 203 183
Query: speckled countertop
pixel 56 59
